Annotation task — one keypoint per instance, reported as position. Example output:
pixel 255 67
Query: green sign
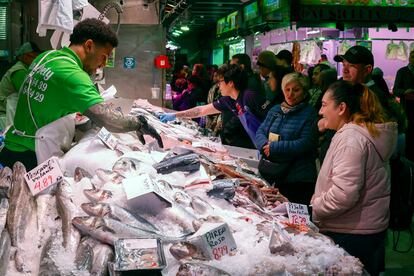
pixel 110 63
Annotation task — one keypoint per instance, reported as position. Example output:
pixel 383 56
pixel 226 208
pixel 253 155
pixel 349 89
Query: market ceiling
pixel 197 15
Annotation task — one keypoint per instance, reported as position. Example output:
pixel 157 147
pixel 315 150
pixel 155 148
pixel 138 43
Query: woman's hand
pixel 266 149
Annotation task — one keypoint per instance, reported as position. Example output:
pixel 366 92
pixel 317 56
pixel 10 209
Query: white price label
pixel 204 145
pixel 107 138
pixel 219 241
pixel 43 176
pixel 298 213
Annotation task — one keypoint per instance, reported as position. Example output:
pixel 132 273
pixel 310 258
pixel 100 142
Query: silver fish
pixel 67 211
pixel 116 212
pixel 200 205
pixel 81 173
pixel 22 207
pixel 126 231
pixel 5 245
pixel 199 269
pixel 42 204
pixel 4 207
pixel 95 228
pixel 5 181
pixel 102 254
pixel 185 250
pixel 109 176
pixel 126 166
pixel 98 195
pixel 84 253
pixel 177 215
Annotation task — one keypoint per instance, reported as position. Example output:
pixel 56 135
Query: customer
pixel 352 194
pixel 64 87
pixel 267 62
pixel 13 79
pixel 245 104
pixel 289 137
pixel 253 79
pixel 285 58
pixel 404 80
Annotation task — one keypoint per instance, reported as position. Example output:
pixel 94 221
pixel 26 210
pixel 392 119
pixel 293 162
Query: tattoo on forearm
pixel 103 115
pixel 191 113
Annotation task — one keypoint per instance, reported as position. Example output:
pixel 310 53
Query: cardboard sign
pixel 43 176
pixel 107 138
pixel 216 240
pixel 145 195
pixel 298 213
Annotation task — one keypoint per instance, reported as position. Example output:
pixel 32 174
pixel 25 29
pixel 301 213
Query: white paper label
pixel 43 176
pixel 298 213
pixel 204 145
pixel 107 138
pixel 140 243
pixel 219 241
pixel 141 185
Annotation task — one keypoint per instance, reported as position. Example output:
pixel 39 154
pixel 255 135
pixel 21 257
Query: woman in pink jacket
pixel 352 193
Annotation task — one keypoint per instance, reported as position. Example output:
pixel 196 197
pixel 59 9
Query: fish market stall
pixel 187 209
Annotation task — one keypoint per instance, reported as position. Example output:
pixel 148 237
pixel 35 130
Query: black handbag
pixel 272 170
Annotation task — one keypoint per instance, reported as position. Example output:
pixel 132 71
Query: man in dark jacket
pixel 404 80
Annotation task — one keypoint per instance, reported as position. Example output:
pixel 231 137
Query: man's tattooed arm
pixel 198 111
pixel 105 116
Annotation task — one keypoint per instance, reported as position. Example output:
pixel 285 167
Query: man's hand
pixel 266 149
pixel 148 130
pixel 166 117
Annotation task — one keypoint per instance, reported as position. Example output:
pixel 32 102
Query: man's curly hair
pixel 92 28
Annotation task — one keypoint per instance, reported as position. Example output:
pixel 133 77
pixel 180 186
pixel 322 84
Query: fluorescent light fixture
pixel 312 31
pixel 185 28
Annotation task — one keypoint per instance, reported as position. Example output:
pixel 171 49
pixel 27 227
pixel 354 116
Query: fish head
pixel 124 165
pixel 97 195
pixel 95 209
pixel 81 173
pixel 64 189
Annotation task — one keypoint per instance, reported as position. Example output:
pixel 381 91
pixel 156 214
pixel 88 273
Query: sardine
pixel 84 253
pixel 102 254
pixel 5 181
pixel 4 207
pixel 67 211
pixel 81 173
pixel 184 163
pixel 22 207
pixel 116 212
pixel 198 269
pixel 98 195
pixel 5 245
pixel 188 251
pixel 109 176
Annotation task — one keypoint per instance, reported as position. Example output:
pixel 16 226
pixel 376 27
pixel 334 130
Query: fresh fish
pixel 102 254
pixel 199 269
pixel 48 265
pixel 5 245
pixel 98 195
pixel 22 207
pixel 177 215
pixel 118 213
pixel 4 207
pixel 177 151
pixel 226 183
pixel 95 227
pixel 182 198
pixel 109 176
pixel 127 231
pixel 185 250
pixel 183 162
pixel 5 181
pixel 232 172
pixel 42 204
pixel 222 192
pixel 213 219
pixel 67 211
pixel 255 195
pixel 127 166
pixel 81 173
pixel 200 205
pixel 84 253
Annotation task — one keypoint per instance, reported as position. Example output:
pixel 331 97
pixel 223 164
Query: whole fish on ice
pixel 5 181
pixel 184 162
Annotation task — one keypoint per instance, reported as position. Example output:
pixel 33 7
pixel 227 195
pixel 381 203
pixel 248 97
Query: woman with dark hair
pixel 352 194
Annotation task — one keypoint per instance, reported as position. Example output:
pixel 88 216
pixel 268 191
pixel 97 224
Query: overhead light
pixel 185 28
pixel 321 38
pixel 313 31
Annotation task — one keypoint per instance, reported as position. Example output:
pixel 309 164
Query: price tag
pixel 217 240
pixel 107 138
pixel 298 213
pixel 43 176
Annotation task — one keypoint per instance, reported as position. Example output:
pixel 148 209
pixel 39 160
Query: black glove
pixel 148 130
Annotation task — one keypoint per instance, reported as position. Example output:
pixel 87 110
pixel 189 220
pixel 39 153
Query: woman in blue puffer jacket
pixel 288 139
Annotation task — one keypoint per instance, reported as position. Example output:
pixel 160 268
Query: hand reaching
pixel 166 117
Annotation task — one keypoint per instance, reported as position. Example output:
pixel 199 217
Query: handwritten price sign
pixel 219 241
pixel 43 176
pixel 107 138
pixel 298 213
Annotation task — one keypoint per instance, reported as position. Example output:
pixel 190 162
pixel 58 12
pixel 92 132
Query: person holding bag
pixel 288 141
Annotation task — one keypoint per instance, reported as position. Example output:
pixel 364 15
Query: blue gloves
pixel 166 117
